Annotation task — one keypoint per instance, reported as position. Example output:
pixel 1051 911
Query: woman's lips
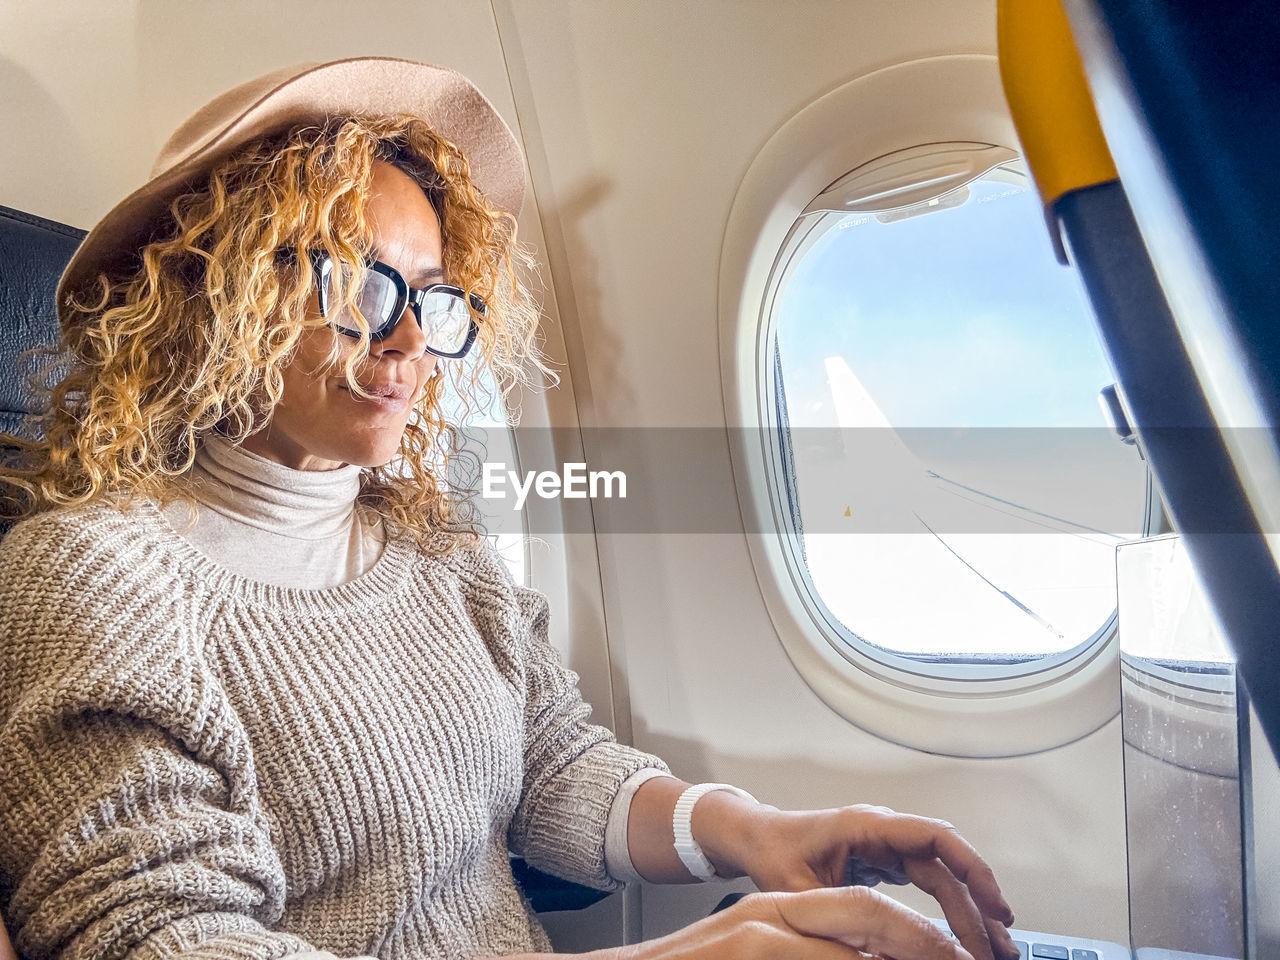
pixel 386 398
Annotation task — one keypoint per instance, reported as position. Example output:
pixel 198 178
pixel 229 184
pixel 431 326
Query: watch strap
pixel 687 848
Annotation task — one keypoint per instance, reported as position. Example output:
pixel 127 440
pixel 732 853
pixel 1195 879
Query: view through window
pixel 980 490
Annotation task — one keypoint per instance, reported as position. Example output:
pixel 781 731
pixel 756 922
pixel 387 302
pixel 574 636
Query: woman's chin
pixel 374 455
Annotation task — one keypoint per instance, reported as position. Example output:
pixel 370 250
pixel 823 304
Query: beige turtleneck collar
pixel 269 522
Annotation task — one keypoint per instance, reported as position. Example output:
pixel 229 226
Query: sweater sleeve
pixel 573 769
pixel 129 813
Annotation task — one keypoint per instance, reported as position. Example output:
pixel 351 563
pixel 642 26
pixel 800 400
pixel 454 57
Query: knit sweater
pixel 299 528
pixel 195 763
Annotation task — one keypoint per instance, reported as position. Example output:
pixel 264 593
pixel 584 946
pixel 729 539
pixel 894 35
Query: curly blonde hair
pixel 194 340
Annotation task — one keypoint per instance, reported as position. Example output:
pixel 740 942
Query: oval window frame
pixel 966 712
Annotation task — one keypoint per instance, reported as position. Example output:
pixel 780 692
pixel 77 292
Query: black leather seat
pixel 33 252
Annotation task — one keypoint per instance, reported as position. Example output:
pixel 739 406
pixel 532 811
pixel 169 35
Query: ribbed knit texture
pixel 196 763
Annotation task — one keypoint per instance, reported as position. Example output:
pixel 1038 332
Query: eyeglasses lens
pixel 446 321
pixel 376 302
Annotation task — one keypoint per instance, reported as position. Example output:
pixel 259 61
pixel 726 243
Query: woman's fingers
pixel 829 923
pixel 963 916
pixel 1001 942
pixel 909 836
pixel 865 920
pixel 869 844
pixel 791 946
pixel 967 866
pixel 982 936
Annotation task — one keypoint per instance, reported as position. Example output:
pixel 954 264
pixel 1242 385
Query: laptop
pixel 1202 788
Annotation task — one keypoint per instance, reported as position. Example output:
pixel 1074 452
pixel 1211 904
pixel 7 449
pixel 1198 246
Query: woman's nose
pixel 407 338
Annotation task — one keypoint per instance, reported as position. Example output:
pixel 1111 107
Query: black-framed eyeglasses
pixel 440 308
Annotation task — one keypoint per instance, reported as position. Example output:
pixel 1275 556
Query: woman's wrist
pixel 727 827
pixel 723 825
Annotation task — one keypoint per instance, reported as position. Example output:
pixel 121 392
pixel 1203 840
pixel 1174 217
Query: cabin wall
pixel 640 120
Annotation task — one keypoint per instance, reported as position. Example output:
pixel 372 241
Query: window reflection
pixel 1181 769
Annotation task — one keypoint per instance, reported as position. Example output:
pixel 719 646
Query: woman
pixel 264 690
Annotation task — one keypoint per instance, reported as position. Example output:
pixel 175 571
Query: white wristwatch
pixel 687 848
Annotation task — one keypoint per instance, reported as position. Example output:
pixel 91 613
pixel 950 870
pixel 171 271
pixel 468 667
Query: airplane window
pixel 960 496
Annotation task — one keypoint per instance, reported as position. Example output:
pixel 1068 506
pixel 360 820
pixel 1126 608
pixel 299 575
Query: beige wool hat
pixel 363 86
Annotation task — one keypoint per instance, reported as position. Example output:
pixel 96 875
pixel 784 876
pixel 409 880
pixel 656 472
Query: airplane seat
pixel 33 252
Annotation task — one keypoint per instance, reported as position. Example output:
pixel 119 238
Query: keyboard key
pixel 1023 949
pixel 1049 951
pixel 1084 955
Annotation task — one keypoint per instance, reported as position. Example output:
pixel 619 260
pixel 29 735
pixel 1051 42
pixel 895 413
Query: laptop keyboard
pixel 1052 951
pixel 1039 946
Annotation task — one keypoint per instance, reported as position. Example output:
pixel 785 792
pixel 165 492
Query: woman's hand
pixel 840 923
pixel 805 850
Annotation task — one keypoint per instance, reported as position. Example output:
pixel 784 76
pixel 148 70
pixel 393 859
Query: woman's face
pixel 319 424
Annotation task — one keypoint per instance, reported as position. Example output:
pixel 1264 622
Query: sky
pixel 959 317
